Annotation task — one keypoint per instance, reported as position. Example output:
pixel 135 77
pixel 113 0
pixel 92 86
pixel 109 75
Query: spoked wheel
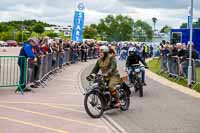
pixel 139 87
pixel 94 105
pixel 125 102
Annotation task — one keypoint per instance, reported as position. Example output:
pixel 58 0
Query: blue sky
pixel 60 12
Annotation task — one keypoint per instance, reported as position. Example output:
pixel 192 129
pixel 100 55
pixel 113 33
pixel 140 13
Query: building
pixel 58 29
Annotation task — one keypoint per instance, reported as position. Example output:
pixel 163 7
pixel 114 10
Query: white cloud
pixel 61 12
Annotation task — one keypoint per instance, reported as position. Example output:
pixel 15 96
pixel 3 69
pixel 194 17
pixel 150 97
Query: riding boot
pixel 116 95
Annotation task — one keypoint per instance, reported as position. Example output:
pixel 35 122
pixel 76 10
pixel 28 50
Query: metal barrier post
pixel 197 71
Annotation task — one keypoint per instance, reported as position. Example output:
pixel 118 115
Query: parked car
pixel 12 43
pixel 3 44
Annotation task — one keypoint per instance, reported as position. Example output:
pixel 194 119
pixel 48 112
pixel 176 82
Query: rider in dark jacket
pixel 132 59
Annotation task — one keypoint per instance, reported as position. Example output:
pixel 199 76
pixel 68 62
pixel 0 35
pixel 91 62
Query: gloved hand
pixel 90 77
pixel 146 67
pixel 35 59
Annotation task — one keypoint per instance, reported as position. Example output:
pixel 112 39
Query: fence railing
pixel 13 71
pixel 178 68
pixel 17 71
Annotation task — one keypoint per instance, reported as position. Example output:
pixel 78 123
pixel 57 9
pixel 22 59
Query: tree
pixel 166 29
pixel 142 31
pixel 38 28
pixel 5 36
pixel 183 25
pixel 49 34
pixel 1 27
pixel 154 19
pixel 195 24
pixel 117 28
pixel 34 34
pixel 90 32
pixel 19 36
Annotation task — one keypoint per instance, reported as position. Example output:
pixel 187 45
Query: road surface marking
pixel 75 94
pixel 36 103
pixel 33 125
pixel 46 104
pixel 53 116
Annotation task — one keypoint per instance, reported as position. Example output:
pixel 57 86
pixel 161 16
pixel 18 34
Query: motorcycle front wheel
pixel 94 105
pixel 141 91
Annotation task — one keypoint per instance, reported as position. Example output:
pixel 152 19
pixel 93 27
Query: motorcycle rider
pixel 108 66
pixel 135 58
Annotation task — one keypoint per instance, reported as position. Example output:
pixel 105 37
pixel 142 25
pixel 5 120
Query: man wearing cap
pixel 26 51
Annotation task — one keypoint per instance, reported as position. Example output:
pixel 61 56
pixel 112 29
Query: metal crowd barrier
pixel 164 60
pixel 13 71
pixel 67 56
pixel 197 68
pixel 49 64
pixel 173 66
pixel 178 68
pixel 17 71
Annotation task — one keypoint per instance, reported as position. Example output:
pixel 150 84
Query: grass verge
pixel 154 66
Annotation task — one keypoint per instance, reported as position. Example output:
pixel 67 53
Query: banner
pixel 189 21
pixel 189 18
pixel 77 32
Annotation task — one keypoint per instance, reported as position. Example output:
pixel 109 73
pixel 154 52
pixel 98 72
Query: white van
pixel 3 44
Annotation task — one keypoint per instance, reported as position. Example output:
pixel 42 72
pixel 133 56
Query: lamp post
pixel 190 43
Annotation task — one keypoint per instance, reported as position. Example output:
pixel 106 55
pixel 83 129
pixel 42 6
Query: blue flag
pixel 189 22
pixel 77 32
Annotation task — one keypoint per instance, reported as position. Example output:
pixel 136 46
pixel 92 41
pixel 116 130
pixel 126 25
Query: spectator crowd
pixel 175 58
pixel 61 52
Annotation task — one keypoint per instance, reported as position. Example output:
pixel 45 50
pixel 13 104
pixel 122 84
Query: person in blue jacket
pixel 26 51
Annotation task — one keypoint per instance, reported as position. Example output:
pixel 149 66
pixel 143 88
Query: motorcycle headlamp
pixel 137 70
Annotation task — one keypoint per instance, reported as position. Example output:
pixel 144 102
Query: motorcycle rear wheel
pixel 126 101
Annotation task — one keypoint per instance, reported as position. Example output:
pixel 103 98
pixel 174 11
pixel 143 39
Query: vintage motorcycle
pixel 137 78
pixel 98 98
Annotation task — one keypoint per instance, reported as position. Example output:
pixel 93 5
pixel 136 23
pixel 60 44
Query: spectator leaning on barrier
pixel 27 52
pixel 55 51
pixel 84 52
pixel 164 54
pixel 151 50
pixel 45 45
pixel 118 47
pixel 61 53
pixel 67 45
pixel 184 55
pixel 97 46
pixel 93 50
pixel 35 65
pixel 74 52
pixel 174 51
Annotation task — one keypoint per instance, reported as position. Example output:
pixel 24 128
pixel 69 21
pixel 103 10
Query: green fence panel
pixel 13 72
